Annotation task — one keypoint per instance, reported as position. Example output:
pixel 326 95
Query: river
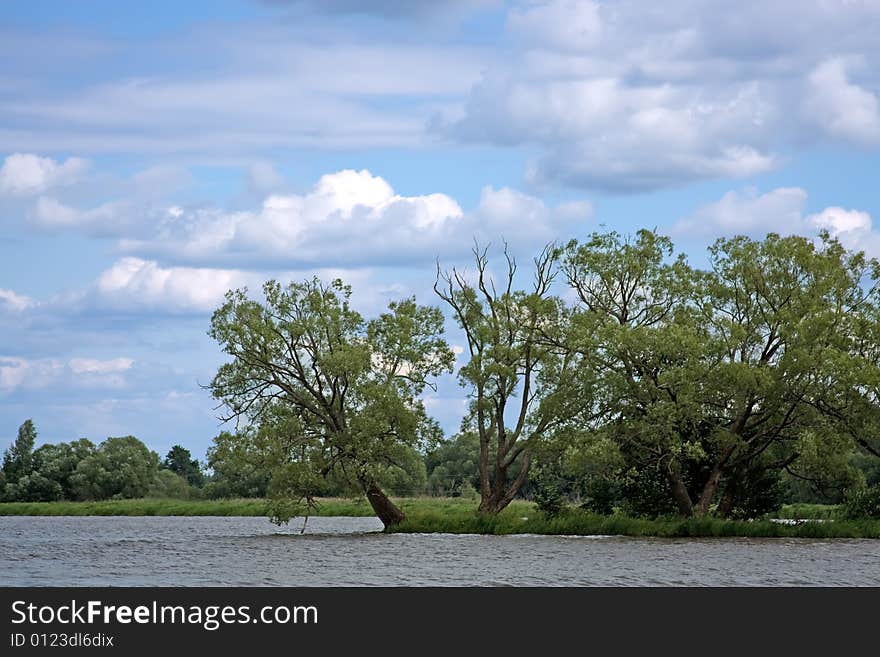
pixel 238 551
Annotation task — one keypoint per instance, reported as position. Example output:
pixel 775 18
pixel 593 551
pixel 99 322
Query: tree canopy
pixel 334 392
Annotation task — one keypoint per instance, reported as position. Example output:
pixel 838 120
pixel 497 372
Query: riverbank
pixel 576 522
pixel 426 515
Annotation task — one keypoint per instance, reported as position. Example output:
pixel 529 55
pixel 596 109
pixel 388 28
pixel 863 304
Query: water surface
pixel 238 551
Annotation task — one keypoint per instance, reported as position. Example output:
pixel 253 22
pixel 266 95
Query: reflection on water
pixel 202 551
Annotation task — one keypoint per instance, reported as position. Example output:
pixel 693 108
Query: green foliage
pixel 169 484
pixel 18 458
pixel 180 461
pixel 524 380
pixel 762 362
pixel 120 468
pixel 863 503
pixel 547 491
pixel 326 394
pixel 237 463
pixel 453 464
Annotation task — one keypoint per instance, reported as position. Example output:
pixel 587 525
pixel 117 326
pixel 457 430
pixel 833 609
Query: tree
pixel 18 458
pixel 338 394
pixel 58 462
pixel 720 377
pixel 120 468
pixel 180 461
pixel 525 382
pixel 454 464
pixel 238 466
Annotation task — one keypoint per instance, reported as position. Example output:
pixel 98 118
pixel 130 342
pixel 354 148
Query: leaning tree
pixel 337 395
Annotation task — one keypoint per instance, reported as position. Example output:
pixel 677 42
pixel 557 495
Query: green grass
pixel 576 522
pixel 458 516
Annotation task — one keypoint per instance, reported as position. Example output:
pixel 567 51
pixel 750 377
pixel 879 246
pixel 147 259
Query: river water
pixel 236 551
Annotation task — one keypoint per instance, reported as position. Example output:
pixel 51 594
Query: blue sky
pixel 153 155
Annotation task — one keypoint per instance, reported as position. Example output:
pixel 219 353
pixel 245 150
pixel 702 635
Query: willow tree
pixel 340 395
pixel 524 384
pixel 724 376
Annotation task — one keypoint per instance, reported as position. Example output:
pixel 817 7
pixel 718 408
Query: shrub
pixel 863 503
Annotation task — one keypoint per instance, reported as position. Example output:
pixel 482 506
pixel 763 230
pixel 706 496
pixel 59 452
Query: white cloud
pixel 781 211
pixel 841 108
pixel 49 213
pixel 853 228
pixel 140 285
pixel 748 212
pixel 275 86
pixel 18 373
pixel 23 373
pixel 15 302
pixel 93 366
pixel 25 174
pixel 353 217
pixel 622 96
pixel 565 24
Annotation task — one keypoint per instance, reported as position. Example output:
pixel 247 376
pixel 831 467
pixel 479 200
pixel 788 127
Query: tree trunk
pixel 501 494
pixel 383 507
pixel 725 506
pixel 709 490
pixel 679 492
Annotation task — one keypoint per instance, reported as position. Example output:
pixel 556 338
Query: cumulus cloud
pixel 748 212
pixel 841 108
pixel 355 218
pixel 25 174
pixel 782 211
pixel 625 97
pixel 139 285
pixel 854 228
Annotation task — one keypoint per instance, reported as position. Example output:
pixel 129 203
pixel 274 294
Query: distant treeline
pixel 125 468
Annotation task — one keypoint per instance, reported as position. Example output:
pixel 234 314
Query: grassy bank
pixel 576 522
pixel 458 516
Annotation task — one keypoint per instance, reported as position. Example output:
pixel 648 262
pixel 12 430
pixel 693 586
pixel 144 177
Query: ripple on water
pixel 233 551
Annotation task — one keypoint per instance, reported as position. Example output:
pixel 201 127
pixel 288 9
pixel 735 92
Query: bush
pixel 600 495
pixel 168 484
pixel 547 492
pixel 862 503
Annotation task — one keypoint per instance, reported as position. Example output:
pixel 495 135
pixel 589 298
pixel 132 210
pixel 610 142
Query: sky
pixel 154 155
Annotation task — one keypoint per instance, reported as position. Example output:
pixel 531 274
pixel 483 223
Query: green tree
pixel 524 382
pixel 180 461
pixel 120 468
pixel 169 484
pixel 238 466
pixel 453 464
pixel 18 458
pixel 338 394
pixel 720 377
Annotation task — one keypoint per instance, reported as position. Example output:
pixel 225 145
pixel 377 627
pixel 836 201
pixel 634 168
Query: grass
pixel 458 516
pixel 576 522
